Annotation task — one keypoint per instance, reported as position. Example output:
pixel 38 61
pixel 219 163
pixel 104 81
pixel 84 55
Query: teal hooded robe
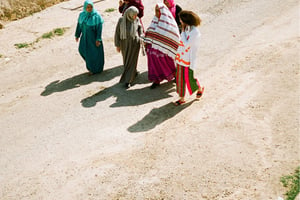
pixel 89 30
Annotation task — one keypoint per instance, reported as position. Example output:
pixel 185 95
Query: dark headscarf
pixel 137 3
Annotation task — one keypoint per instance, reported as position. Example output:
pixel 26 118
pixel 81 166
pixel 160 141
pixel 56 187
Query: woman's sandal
pixel 199 93
pixel 179 102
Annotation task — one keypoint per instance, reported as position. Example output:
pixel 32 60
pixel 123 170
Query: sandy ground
pixel 67 135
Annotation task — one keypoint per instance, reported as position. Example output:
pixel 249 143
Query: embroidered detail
pixel 178 58
pixel 188 49
pixel 181 44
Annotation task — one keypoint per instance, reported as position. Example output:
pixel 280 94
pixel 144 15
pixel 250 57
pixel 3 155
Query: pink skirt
pixel 160 66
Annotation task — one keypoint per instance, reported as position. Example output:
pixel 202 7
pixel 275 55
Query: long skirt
pixel 160 66
pixel 92 55
pixel 185 79
pixel 130 49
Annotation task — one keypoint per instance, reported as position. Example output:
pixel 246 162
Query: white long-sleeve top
pixel 188 47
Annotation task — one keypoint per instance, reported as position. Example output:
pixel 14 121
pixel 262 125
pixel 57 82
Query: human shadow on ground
pixel 157 116
pixel 81 79
pixel 130 97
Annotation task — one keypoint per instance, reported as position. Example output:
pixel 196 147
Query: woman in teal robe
pixel 89 30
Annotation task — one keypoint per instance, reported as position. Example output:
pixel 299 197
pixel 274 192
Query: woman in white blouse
pixel 186 56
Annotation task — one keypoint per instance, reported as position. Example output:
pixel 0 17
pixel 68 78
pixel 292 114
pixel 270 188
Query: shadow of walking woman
pixel 158 116
pixel 81 79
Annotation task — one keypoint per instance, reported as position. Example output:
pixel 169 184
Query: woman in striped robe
pixel 161 39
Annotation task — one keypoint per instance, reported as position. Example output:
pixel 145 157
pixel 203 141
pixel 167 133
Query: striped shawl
pixel 163 32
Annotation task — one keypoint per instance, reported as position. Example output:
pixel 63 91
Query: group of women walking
pixel 171 43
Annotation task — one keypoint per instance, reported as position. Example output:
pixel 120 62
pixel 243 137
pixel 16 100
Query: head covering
pixel 128 20
pixel 190 18
pixel 172 7
pixel 90 18
pixel 137 3
pixel 163 32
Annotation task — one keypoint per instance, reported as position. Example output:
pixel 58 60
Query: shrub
pixel 292 183
pixel 47 35
pixel 59 31
pixel 110 10
pixel 21 45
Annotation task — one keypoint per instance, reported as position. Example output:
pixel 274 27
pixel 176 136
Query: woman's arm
pixel 194 42
pixel 99 32
pixel 78 31
pixel 117 35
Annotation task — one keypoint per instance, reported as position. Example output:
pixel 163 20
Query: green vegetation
pixel 1 55
pixel 110 10
pixel 59 31
pixel 49 35
pixel 21 45
pixel 292 183
pixel 55 32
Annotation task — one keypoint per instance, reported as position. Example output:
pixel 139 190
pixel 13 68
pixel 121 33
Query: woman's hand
pixel 118 49
pixel 98 43
pixel 76 39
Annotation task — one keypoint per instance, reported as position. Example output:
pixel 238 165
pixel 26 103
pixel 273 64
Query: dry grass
pixel 17 9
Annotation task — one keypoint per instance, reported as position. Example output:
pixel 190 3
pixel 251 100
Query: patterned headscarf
pixel 172 7
pixel 90 18
pixel 128 20
pixel 163 32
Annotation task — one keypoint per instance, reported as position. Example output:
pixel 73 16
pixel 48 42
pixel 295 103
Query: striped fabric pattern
pixel 185 79
pixel 163 32
pixel 180 86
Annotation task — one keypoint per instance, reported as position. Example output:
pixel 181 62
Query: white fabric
pixel 127 20
pixel 166 28
pixel 188 48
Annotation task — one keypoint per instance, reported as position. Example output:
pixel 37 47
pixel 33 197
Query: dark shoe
pixel 200 93
pixel 127 85
pixel 154 85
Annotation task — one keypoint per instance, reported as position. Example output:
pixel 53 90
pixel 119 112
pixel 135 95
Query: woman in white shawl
pixel 162 39
pixel 127 41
